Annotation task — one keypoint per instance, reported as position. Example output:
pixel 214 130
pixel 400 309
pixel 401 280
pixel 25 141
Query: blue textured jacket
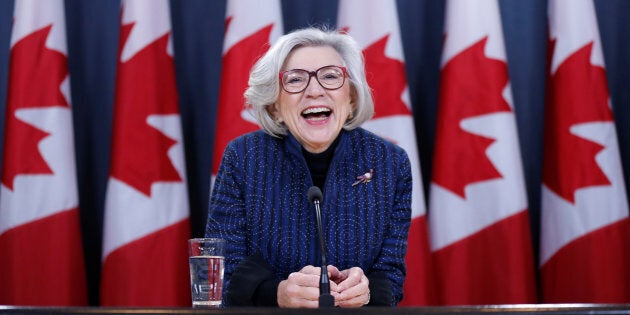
pixel 259 205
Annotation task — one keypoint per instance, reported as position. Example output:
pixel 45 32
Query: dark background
pixel 198 28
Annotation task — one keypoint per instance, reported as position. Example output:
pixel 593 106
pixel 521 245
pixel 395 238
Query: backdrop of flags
pixel 146 225
pixel 478 213
pixel 41 253
pixel 472 245
pixel 585 229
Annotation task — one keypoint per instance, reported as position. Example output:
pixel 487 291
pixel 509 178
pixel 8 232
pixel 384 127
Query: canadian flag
pixel 251 26
pixel 393 120
pixel 585 232
pixel 145 257
pixel 478 213
pixel 41 254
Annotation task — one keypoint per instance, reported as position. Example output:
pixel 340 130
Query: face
pixel 316 115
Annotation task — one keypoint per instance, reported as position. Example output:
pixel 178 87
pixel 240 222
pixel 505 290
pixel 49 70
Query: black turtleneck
pixel 318 163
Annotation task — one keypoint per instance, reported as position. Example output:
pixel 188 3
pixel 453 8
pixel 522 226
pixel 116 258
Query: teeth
pixel 315 110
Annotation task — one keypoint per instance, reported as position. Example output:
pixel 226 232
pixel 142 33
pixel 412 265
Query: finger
pixel 356 301
pixel 295 302
pixel 334 274
pixel 296 291
pixel 362 288
pixel 353 276
pixel 292 295
pixel 333 271
pixel 333 287
pixel 304 279
pixel 311 270
pixel 306 304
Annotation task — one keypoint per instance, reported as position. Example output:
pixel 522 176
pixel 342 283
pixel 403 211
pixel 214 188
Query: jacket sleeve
pixel 227 213
pixel 253 284
pixel 391 261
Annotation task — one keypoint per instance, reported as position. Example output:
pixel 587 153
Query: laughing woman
pixel 309 94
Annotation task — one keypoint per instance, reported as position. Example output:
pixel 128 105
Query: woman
pixel 309 95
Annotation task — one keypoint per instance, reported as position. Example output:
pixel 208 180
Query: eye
pixel 293 78
pixel 330 74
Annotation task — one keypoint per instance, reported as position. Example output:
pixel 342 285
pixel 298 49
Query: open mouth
pixel 316 113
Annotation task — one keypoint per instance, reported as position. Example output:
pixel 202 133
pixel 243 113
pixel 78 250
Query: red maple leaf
pixel 146 86
pixel 237 62
pixel 35 75
pixel 228 21
pixel 387 78
pixel 471 85
pixel 576 93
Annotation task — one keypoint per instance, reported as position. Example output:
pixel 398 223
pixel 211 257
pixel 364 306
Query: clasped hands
pixel 301 289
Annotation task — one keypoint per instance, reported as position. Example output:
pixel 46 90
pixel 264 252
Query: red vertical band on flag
pixel 41 263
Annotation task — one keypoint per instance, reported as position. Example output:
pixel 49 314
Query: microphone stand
pixel 325 298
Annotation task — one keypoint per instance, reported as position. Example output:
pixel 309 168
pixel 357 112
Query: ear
pixel 353 108
pixel 353 98
pixel 274 113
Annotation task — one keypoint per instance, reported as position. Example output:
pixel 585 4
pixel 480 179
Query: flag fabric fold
pixel 385 69
pixel 146 221
pixel 585 231
pixel 478 212
pixel 41 251
pixel 250 29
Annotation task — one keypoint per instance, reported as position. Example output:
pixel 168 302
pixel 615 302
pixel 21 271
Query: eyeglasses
pixel 329 77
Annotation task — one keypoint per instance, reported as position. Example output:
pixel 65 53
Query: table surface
pixel 521 309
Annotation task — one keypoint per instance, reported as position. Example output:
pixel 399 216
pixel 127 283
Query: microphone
pixel 325 298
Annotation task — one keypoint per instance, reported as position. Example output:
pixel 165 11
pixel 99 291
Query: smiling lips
pixel 316 113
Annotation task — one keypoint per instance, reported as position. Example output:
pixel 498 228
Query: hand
pixel 301 289
pixel 352 289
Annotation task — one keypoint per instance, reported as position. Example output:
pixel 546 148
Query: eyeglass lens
pixel 329 77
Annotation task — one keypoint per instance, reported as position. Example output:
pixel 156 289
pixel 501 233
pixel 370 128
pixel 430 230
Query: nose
pixel 313 88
